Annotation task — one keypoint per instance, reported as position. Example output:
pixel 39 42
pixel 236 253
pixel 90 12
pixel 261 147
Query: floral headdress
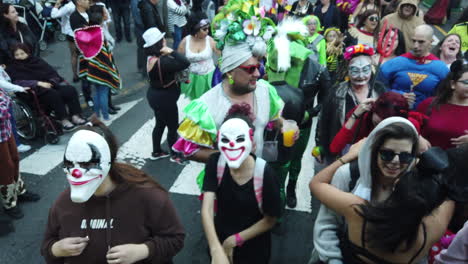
pixel 240 21
pixel 351 51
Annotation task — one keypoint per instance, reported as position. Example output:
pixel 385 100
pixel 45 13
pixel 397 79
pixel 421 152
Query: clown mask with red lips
pixel 86 163
pixel 235 141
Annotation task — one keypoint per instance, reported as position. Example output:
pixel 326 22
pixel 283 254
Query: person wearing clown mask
pixel 347 95
pixel 247 196
pixel 112 211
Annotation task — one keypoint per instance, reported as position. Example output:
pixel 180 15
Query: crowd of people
pixel 391 136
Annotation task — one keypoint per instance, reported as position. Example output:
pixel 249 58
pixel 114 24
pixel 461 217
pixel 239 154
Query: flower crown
pixel 357 49
pixel 234 24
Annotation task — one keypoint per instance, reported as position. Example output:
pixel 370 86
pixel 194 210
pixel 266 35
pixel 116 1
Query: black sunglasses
pixel 251 68
pixel 374 18
pixel 389 155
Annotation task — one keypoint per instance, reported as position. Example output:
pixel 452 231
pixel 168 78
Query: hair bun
pixel 241 109
pixel 456 66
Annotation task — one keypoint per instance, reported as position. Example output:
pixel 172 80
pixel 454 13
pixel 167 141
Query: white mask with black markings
pixel 86 163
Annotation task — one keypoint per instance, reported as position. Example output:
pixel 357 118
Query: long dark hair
pixel 363 17
pixel 397 219
pixel 96 14
pixel 5 23
pixel 437 49
pixel 120 173
pixel 393 131
pixel 444 89
pixel 193 21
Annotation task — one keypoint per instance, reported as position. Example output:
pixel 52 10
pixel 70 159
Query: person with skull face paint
pixel 247 194
pixel 112 212
pixel 347 95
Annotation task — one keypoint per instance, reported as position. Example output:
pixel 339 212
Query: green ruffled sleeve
pixel 198 126
pixel 276 103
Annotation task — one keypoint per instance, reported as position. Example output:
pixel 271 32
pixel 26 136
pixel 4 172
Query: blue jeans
pixel 177 35
pixel 13 125
pixel 101 101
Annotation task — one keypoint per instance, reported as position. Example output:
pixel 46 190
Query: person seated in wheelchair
pixel 51 89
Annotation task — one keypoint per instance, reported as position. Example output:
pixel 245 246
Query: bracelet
pixel 355 116
pixel 239 240
pixel 341 160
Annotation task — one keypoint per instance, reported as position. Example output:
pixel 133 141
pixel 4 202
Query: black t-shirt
pixel 237 209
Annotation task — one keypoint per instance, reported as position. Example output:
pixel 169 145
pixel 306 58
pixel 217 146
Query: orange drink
pixel 288 132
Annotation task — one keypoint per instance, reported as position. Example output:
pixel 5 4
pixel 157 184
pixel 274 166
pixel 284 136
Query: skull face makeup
pixel 86 163
pixel 235 141
pixel 360 70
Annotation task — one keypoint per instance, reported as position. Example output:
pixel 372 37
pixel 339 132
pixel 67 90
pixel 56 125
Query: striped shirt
pixel 176 14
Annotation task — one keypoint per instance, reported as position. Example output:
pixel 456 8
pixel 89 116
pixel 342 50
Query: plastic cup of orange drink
pixel 288 132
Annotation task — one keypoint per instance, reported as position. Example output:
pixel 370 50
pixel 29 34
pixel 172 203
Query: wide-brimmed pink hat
pixel 89 40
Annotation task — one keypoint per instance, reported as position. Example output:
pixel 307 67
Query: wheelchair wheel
pixel 42 45
pixel 25 122
pixel 51 137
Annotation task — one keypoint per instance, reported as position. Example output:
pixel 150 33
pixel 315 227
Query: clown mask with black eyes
pixel 235 141
pixel 86 163
pixel 360 70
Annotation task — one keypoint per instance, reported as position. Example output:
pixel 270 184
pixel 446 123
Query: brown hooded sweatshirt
pixel 406 26
pixel 136 215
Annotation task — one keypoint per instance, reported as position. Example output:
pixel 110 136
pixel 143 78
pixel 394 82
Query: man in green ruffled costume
pixel 241 37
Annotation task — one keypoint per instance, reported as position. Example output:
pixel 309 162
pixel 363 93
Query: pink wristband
pixel 239 240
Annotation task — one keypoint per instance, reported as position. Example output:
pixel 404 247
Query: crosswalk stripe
pixel 50 156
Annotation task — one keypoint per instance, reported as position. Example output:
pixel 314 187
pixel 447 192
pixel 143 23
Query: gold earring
pixel 230 80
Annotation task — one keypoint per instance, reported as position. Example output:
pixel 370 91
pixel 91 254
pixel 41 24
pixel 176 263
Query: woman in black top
pixel 14 31
pixel 302 8
pixel 328 14
pixel 164 91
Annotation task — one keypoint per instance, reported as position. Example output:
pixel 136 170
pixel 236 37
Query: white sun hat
pixel 152 36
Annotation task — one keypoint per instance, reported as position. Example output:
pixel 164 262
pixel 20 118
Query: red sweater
pixel 445 122
pixel 345 136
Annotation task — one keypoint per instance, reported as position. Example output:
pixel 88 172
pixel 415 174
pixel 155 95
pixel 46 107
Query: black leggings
pixel 55 99
pixel 164 105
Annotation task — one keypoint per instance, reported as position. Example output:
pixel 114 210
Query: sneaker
pixel 29 197
pixel 90 103
pixel 179 160
pixel 68 128
pixel 159 155
pixel 14 212
pixel 23 148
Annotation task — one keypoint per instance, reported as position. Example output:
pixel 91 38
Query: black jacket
pixel 22 35
pixel 150 15
pixel 77 20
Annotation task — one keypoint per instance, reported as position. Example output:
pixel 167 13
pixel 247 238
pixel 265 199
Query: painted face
pixel 394 157
pixel 235 141
pixel 360 70
pixel 331 36
pixel 245 80
pixel 460 87
pixel 12 14
pixel 20 54
pixel 407 11
pixel 86 163
pixel 389 43
pixel 451 46
pixel 312 26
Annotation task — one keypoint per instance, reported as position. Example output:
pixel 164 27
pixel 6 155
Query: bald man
pixel 417 73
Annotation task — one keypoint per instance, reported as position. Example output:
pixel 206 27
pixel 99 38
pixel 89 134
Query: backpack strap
pixel 259 172
pixel 354 172
pixel 161 78
pixel 314 43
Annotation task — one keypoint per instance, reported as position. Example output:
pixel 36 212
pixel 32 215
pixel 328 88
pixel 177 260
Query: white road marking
pixel 186 182
pixel 435 40
pixel 48 157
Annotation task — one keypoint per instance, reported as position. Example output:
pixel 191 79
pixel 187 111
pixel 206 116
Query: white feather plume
pixel 282 40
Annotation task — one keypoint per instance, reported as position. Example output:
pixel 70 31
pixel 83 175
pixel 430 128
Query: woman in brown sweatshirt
pixel 112 212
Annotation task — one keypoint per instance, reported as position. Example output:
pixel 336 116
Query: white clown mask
pixel 86 163
pixel 360 70
pixel 235 141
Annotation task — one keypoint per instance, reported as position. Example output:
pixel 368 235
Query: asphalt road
pixel 42 173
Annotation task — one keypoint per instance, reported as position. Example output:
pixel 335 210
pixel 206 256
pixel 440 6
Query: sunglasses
pixel 389 155
pixel 251 68
pixel 374 18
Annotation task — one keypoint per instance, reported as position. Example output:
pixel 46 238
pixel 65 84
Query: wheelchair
pixel 32 121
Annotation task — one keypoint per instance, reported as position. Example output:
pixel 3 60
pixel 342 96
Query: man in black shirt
pixel 150 15
pixel 79 19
